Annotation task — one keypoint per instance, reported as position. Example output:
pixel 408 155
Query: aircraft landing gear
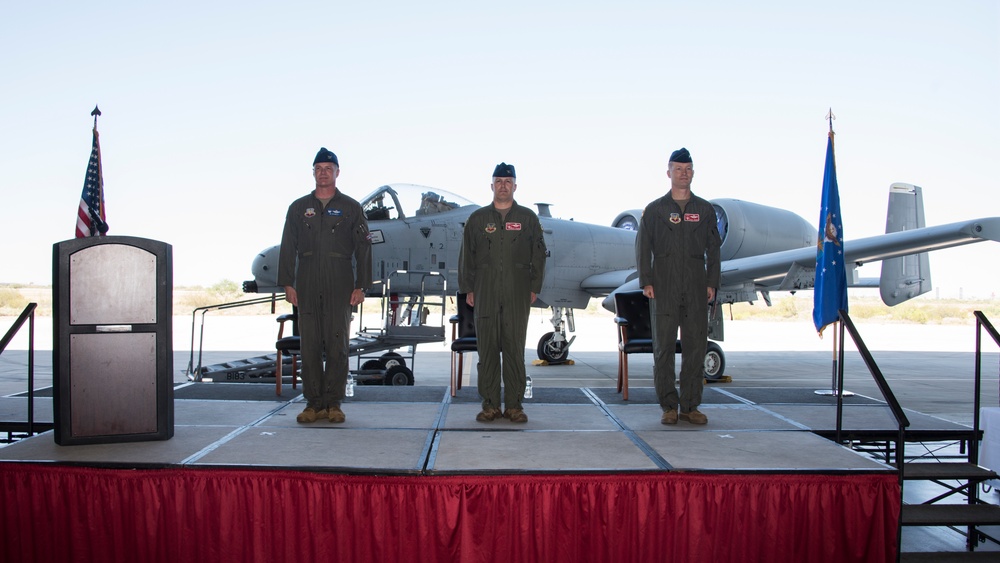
pixel 715 362
pixel 553 347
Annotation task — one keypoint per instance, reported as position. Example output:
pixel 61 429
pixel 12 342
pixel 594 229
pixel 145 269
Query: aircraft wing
pixel 772 269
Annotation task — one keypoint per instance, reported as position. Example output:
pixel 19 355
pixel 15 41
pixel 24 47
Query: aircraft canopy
pixel 400 201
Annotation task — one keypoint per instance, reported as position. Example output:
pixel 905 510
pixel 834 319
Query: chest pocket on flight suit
pixel 520 251
pixel 307 236
pixel 484 249
pixel 667 239
pixel 697 238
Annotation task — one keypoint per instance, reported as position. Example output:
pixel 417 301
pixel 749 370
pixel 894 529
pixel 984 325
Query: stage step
pixel 965 479
pixel 950 515
pixel 948 556
pixel 931 471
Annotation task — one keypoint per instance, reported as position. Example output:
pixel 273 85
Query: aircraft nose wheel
pixel 715 362
pixel 552 350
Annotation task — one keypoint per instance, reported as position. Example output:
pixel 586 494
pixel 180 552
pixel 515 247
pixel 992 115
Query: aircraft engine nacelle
pixel 265 273
pixel 747 229
pixel 628 220
pixel 750 229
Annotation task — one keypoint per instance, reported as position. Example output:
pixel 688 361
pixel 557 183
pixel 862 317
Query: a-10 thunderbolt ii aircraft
pixel 419 229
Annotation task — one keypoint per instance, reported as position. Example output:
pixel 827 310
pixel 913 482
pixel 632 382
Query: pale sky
pixel 213 112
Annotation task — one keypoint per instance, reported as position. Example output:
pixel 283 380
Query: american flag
pixel 90 216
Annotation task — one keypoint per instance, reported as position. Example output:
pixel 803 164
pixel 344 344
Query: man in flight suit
pixel 323 232
pixel 677 254
pixel 500 270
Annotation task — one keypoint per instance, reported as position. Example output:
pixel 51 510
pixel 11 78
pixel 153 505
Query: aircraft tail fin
pixel 904 277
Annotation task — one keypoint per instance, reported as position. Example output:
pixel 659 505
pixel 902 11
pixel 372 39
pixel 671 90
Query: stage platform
pixel 587 478
pixel 588 435
pixel 423 430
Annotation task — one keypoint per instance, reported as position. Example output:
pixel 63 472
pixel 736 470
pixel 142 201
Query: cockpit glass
pixel 400 201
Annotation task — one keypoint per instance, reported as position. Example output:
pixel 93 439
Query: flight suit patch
pixel 491 227
pixel 675 218
pixel 692 217
pixel 310 212
pixel 513 226
pixel 334 212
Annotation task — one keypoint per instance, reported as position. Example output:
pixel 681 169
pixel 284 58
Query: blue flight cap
pixel 504 170
pixel 325 156
pixel 680 155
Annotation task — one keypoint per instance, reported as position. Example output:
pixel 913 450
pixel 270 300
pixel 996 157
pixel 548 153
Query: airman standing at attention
pixel 323 232
pixel 677 255
pixel 500 270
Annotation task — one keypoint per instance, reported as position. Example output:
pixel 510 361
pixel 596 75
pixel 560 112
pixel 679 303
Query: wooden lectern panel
pixel 114 383
pixel 112 284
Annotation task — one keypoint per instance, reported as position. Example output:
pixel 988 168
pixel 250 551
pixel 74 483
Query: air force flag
pixel 830 294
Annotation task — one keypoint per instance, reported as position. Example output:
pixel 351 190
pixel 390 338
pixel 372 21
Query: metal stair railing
pixel 28 314
pixel 846 324
pixel 981 323
pixel 194 371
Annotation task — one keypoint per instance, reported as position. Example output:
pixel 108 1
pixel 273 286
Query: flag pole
pixel 834 379
pixel 90 219
pixel 97 113
pixel 834 389
pixel 102 226
pixel 833 375
pixel 836 340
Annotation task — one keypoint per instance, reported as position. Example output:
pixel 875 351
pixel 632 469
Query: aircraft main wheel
pixel 550 350
pixel 398 375
pixel 390 359
pixel 715 362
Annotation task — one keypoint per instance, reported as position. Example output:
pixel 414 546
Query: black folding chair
pixel 287 346
pixel 635 332
pixel 463 339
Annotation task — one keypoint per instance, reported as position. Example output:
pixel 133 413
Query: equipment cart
pixel 406 320
pixel 383 354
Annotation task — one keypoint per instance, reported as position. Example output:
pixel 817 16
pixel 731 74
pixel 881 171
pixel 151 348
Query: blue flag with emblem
pixel 830 293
